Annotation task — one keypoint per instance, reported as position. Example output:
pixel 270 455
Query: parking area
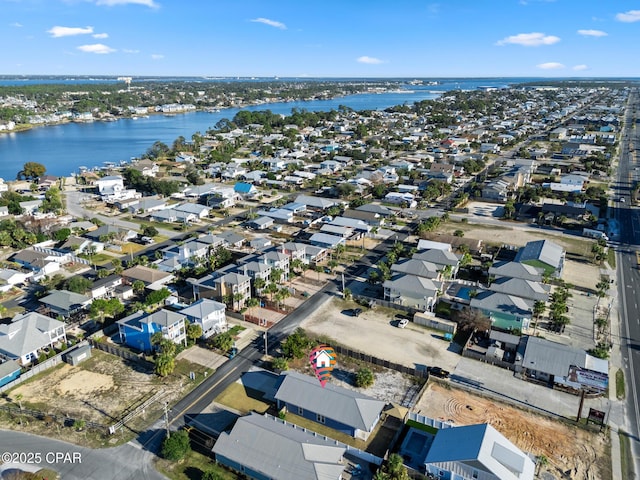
pixel 375 331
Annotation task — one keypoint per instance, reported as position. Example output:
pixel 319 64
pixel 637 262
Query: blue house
pixel 137 329
pixel 245 189
pixel 339 408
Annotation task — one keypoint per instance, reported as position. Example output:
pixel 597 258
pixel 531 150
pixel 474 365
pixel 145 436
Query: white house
pixel 110 186
pixel 27 334
pixel 209 314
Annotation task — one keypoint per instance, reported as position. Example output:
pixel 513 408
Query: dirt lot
pixel 571 450
pixel 99 390
pixel 374 332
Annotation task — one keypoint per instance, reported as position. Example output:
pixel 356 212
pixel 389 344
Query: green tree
pixel 176 446
pixel 211 475
pixel 280 363
pixel 157 296
pixel 149 231
pixel 194 331
pixel 164 365
pixel 52 201
pixel 138 286
pixel 78 284
pixel 296 344
pixel 62 234
pixel 364 378
pixel 31 171
pixel 223 341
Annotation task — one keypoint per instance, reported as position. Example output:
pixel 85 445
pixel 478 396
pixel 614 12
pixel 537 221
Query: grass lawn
pixel 620 384
pixel 243 399
pixel 626 456
pixel 236 329
pixel 192 467
pixel 324 430
pixel 98 258
pixel 611 257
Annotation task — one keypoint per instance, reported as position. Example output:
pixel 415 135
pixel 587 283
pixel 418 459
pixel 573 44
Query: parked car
pixel 438 372
pixel 403 323
pixel 356 312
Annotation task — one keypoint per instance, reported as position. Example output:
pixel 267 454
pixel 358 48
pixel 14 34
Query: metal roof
pixel 274 449
pixel 340 404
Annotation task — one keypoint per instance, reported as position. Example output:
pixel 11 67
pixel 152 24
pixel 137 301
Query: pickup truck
pixel 438 372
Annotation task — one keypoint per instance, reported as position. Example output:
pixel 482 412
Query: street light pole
pixel 264 335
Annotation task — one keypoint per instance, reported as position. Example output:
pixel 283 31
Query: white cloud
pixel 157 56
pixel 271 23
pixel 97 48
pixel 592 33
pixel 580 67
pixel 57 31
pixel 100 35
pixel 15 24
pixel 369 60
pixel 130 50
pixel 629 17
pixel 550 66
pixel 111 3
pixel 534 39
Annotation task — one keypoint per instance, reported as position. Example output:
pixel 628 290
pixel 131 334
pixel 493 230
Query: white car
pixel 403 323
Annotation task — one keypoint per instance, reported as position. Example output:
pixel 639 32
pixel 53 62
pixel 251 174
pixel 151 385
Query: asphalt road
pixel 74 462
pixel 629 275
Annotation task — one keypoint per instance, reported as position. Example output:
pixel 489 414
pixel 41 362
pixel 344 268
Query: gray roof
pixel 162 317
pixel 516 270
pixel 231 237
pixel 202 308
pixel 65 300
pixel 232 279
pixel 375 208
pixel 315 202
pixel 26 333
pixel 556 358
pixel 501 302
pixel 420 268
pixel 543 250
pixel 326 239
pixel 437 256
pixel 521 288
pixel 277 450
pixel 340 404
pixel 408 284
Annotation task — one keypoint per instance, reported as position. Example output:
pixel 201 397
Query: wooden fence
pixel 365 357
pixel 122 353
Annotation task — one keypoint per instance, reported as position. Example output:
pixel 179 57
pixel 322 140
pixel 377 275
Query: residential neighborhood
pixel 442 245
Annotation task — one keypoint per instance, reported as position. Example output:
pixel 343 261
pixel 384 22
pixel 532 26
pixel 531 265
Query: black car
pixel 356 312
pixel 438 372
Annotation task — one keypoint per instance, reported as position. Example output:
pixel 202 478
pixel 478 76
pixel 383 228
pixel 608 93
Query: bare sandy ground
pixel 571 450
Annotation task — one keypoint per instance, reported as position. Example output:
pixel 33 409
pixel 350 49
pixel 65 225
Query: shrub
pixel 211 475
pixel 364 378
pixel 280 364
pixel 176 446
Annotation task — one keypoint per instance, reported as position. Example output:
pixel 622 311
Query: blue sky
pixel 328 38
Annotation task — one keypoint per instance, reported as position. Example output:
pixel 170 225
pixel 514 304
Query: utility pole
pixel 166 418
pixel 264 335
pixel 343 284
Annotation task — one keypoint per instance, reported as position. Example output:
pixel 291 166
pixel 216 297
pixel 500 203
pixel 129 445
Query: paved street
pixel 79 463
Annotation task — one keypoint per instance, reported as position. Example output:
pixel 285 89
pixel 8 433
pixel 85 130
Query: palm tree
pixel 258 285
pixel 237 298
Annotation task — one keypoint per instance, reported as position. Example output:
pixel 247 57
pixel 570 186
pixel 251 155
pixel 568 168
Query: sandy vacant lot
pixel 100 389
pixel 374 332
pixel 572 450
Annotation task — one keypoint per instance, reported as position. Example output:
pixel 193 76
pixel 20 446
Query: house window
pixel 441 473
pixel 474 474
pixel 300 411
pixel 320 418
